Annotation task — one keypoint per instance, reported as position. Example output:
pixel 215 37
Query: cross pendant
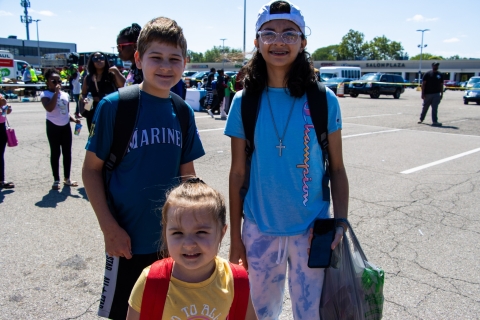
pixel 280 147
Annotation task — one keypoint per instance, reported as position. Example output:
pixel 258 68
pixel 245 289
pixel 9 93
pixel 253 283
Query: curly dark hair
pixel 91 65
pixel 130 33
pixel 300 76
pixel 48 73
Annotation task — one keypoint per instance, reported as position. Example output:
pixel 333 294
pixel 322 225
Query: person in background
pixel 59 133
pixel 5 109
pixel 76 89
pixel 229 92
pixel 100 81
pixel 27 77
pixel 126 46
pixel 432 93
pixel 208 86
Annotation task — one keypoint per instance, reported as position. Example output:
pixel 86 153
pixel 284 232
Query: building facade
pixel 458 70
pixel 28 49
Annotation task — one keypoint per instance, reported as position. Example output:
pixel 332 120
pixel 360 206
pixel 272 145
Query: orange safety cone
pixel 340 90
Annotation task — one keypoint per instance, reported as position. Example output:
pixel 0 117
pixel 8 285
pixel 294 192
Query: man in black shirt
pixel 432 93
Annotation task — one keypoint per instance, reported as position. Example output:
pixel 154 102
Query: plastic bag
pixel 353 287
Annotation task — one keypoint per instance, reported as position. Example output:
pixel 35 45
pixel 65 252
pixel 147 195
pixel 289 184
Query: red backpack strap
pixel 156 289
pixel 241 287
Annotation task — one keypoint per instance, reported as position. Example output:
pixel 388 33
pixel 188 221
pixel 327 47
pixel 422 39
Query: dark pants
pixel 228 102
pixel 89 115
pixel 76 97
pixel 119 278
pixel 3 144
pixel 431 99
pixel 60 140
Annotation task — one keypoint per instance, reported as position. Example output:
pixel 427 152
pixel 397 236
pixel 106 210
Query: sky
pixel 94 24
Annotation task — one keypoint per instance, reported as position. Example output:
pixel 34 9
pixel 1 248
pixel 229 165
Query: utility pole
pixel 38 44
pixel 113 50
pixel 26 18
pixel 421 46
pixel 223 53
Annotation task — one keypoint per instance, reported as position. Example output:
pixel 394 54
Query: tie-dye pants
pixel 268 258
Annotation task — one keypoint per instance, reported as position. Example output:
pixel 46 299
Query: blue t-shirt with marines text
pixel 151 166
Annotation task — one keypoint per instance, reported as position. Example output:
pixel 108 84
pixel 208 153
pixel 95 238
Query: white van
pixel 340 72
pixel 19 67
pixel 7 65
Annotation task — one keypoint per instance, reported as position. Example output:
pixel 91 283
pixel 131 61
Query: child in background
pixel 201 283
pixel 59 132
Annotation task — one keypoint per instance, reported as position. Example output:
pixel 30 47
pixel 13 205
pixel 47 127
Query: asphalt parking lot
pixel 414 203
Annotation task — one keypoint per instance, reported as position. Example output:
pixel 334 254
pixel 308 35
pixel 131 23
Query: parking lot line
pixel 368 133
pixel 375 115
pixel 202 117
pixel 205 130
pixel 431 164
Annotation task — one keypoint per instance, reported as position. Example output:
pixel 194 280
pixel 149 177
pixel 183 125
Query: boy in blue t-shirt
pixel 157 157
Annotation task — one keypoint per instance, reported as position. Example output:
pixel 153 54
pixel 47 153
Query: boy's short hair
pixel 163 30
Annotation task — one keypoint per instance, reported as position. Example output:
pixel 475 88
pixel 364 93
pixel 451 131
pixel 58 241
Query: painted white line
pixel 368 133
pixel 431 164
pixel 375 115
pixel 205 130
pixel 458 121
pixel 202 117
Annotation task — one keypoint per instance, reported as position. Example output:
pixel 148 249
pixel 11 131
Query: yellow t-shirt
pixel 209 299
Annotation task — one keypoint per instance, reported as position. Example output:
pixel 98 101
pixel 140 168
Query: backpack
pixel 180 89
pixel 158 281
pixel 126 119
pixel 318 107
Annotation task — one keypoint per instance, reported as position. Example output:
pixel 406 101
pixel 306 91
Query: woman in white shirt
pixel 59 132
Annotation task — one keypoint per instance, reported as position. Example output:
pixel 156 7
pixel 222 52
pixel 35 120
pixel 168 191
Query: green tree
pixel 382 48
pixel 195 56
pixel 427 56
pixel 352 46
pixel 216 54
pixel 326 53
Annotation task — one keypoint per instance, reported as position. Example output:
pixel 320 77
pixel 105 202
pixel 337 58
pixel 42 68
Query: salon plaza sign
pixel 385 65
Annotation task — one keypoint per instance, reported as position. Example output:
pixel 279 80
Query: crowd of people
pixel 269 231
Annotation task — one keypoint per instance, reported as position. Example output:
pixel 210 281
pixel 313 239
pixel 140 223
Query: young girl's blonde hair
pixel 193 192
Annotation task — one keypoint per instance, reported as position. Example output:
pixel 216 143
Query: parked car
pixel 472 94
pixel 450 85
pixel 471 81
pixel 376 84
pixel 186 76
pixel 333 83
pixel 198 77
pixel 409 84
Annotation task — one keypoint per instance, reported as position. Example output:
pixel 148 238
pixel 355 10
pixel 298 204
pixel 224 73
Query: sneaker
pixel 78 116
pixel 437 124
pixel 210 113
pixel 223 118
pixel 420 121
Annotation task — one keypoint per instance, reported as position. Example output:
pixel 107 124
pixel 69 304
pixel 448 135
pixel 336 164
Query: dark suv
pixel 376 84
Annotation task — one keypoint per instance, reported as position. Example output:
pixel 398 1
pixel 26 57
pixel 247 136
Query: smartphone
pixel 321 246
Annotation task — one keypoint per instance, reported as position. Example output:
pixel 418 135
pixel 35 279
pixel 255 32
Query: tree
pixel 326 53
pixel 427 56
pixel 229 54
pixel 352 46
pixel 382 48
pixel 195 56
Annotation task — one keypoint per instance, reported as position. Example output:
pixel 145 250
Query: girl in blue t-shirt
pixel 285 190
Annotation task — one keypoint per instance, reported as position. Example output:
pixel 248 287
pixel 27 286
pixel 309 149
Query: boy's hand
pixel 238 254
pixel 118 243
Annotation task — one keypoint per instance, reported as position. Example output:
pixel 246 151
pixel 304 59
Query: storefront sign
pixel 385 65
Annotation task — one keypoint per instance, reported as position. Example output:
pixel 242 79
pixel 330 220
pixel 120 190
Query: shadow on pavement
pixel 54 197
pixel 3 192
pixel 83 193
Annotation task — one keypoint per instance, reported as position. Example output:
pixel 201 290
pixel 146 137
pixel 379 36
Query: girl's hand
pixel 58 88
pixel 77 121
pixel 338 237
pixel 238 254
pixel 114 70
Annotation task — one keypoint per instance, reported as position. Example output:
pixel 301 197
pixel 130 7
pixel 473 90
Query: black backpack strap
pixel 125 121
pixel 317 102
pixel 182 110
pixel 249 108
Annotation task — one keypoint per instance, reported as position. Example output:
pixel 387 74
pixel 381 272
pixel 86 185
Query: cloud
pixel 420 18
pixel 451 40
pixel 47 13
pixel 5 13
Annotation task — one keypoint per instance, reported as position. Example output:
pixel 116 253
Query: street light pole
pixel 223 53
pixel 38 44
pixel 113 50
pixel 421 46
pixel 244 27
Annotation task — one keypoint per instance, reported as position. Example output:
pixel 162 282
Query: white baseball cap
pixel 295 16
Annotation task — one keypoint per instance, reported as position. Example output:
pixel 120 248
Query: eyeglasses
pixel 121 45
pixel 98 58
pixel 288 37
pixel 55 81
